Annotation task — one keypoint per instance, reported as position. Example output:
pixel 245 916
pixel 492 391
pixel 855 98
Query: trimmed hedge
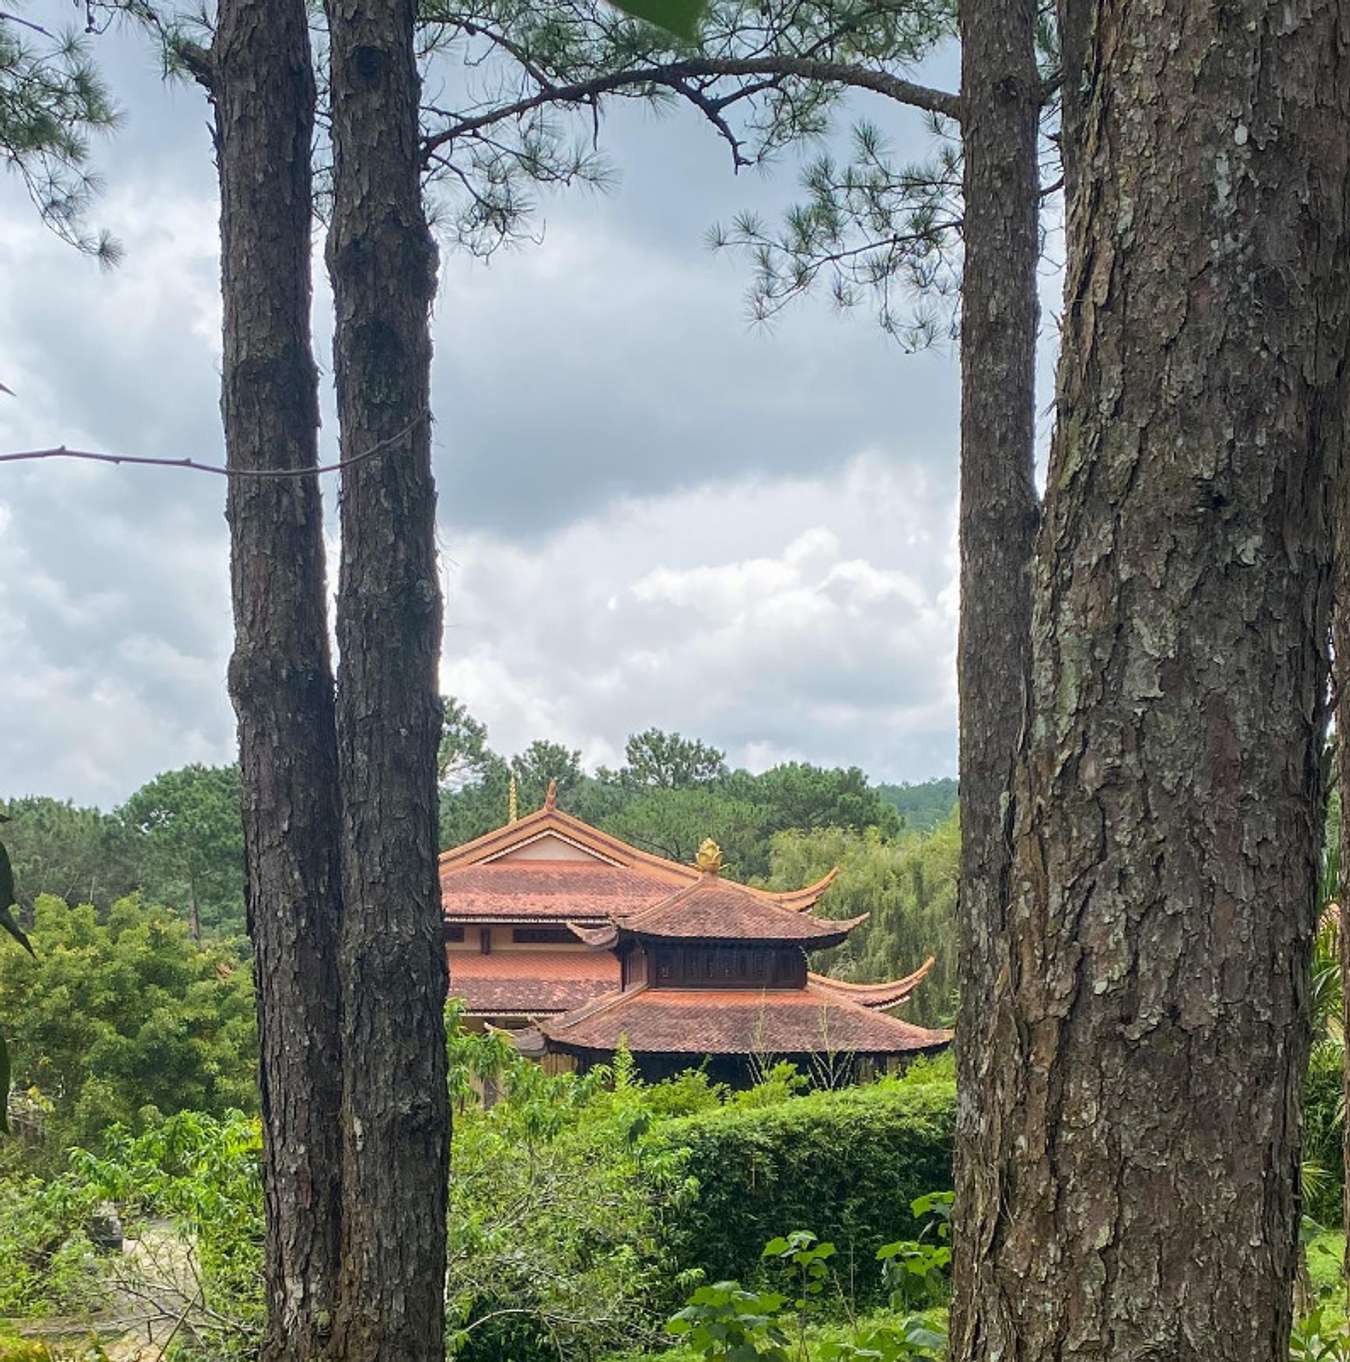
pixel 845 1165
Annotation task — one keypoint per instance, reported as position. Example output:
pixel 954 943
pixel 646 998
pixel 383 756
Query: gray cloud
pixel 651 512
pixel 782 618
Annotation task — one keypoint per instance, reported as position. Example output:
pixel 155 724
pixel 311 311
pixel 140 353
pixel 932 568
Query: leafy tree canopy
pixel 667 761
pixel 120 1019
pixel 541 762
pixel 923 805
pixel 463 755
pixel 192 844
pixel 79 854
pixel 907 884
pixel 671 793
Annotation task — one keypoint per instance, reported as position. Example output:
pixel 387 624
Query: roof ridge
pixel 670 900
pixel 840 1000
pixel 772 900
pixel 799 900
pixel 888 993
pixel 601 1004
pixel 591 838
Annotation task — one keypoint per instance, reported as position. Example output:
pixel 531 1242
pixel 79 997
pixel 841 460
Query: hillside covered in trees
pixel 178 840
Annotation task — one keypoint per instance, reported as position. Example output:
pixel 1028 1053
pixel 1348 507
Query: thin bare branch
pixel 5 15
pixel 62 452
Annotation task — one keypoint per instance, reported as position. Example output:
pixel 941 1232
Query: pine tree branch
pixel 675 75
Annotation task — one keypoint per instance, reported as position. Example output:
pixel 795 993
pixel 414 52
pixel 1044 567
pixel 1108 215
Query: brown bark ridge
pixel 281 677
pixel 395 1118
pixel 1142 1135
pixel 1000 94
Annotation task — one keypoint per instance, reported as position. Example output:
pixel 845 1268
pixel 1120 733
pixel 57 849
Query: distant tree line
pixel 178 840
pixel 671 792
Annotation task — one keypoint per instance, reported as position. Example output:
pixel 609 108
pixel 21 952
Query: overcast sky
pixel 651 511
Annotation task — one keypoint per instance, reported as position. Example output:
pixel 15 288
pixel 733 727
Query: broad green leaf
pixel 680 17
pixel 7 919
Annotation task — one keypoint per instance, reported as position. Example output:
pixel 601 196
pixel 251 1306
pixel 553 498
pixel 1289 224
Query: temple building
pixel 578 944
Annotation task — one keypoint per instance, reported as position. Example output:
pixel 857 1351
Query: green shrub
pixel 120 1017
pixel 845 1165
pixel 557 1198
pixel 23 1350
pixel 191 1185
pixel 1323 1128
pixel 47 1264
pixel 1326 1254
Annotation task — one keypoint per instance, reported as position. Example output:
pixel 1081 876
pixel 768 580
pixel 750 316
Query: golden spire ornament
pixel 512 802
pixel 709 859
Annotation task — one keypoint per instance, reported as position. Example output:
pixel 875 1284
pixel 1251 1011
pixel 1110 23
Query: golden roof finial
pixel 709 858
pixel 512 802
pixel 551 798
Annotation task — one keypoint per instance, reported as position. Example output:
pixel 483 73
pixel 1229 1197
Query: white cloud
pixel 733 612
pixel 650 512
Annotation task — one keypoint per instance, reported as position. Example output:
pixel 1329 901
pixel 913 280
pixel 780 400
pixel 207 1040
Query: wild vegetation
pixel 583 1210
pixel 586 1213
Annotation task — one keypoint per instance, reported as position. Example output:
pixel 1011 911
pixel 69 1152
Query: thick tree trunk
pixel 1142 1136
pixel 281 677
pixel 1000 102
pixel 396 1116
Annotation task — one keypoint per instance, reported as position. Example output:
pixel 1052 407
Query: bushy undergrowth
pixel 845 1165
pixel 584 1209
pixel 47 1263
pixel 1323 1131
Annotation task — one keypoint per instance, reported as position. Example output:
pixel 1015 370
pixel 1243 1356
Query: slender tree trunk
pixel 396 1117
pixel 1000 100
pixel 194 917
pixel 281 676
pixel 1142 1129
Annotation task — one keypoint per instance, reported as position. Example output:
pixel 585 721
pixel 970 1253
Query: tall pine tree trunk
pixel 395 1114
pixel 1142 1132
pixel 281 677
pixel 1000 101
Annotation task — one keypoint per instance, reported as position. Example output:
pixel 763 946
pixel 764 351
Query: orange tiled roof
pixel 890 994
pixel 545 890
pixel 732 1021
pixel 478 884
pixel 527 982
pixel 715 909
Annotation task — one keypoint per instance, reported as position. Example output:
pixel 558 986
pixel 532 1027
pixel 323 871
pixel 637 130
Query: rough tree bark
pixel 1142 1137
pixel 1000 109
pixel 395 1116
pixel 281 679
